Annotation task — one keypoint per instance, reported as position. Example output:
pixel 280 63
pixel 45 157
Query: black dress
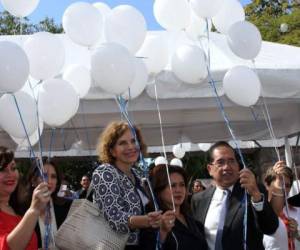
pixel 182 237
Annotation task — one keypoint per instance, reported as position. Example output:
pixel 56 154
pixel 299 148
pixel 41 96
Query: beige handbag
pixel 85 228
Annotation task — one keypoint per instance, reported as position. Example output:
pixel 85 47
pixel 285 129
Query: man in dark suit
pixel 222 212
pixel 85 183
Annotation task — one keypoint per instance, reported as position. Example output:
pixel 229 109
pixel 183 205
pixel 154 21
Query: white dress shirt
pixel 279 240
pixel 213 217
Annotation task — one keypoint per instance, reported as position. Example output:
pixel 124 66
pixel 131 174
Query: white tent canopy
pixel 189 112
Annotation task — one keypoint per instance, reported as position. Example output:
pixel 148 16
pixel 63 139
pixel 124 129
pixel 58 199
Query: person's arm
pixel 168 222
pixel 276 196
pixel 115 206
pixel 265 217
pixel 20 236
pixel 276 192
pixel 151 219
pixel 293 228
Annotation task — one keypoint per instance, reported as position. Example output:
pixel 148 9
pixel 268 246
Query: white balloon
pixel 206 8
pixel 46 54
pixel 33 138
pixel 10 116
pixel 139 82
pixel 14 67
pixel 176 162
pixel 178 151
pixel 20 8
pixel 189 64
pixel 103 8
pixel 160 160
pixel 58 102
pixel 244 39
pixel 172 14
pixel 79 77
pixel 204 146
pixel 242 86
pixel 125 25
pixel 231 12
pixel 112 68
pixel 284 27
pixel 83 23
pixel 197 27
pixel 155 53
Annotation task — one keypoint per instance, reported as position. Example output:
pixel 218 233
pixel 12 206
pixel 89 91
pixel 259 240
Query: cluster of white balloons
pixel 122 57
pixel 189 62
pixel 114 35
pixel 160 160
pixel 41 59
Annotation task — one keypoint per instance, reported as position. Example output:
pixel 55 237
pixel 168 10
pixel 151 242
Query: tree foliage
pixel 269 15
pixel 11 25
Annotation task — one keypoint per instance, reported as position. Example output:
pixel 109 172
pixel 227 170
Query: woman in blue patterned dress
pixel 118 190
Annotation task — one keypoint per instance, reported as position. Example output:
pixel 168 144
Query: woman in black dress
pixel 178 229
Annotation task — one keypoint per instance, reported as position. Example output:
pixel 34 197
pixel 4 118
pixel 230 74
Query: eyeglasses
pixel 222 162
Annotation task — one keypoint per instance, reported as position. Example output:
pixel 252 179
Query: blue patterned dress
pixel 118 198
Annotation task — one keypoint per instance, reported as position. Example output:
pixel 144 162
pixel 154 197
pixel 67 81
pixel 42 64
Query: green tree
pixel 11 25
pixel 49 25
pixel 272 8
pixel 268 16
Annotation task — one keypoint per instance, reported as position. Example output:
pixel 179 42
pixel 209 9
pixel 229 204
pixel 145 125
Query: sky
pixel 56 8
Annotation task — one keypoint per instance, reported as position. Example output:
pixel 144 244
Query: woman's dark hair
pixel 6 157
pixel 159 181
pixel 31 178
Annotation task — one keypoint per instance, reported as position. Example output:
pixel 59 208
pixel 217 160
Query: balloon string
pixel 47 220
pixel 85 128
pixel 255 116
pixel 51 142
pixel 62 132
pixel 122 103
pixel 225 117
pixel 267 117
pixel 40 166
pixel 23 124
pixel 228 125
pixel 285 196
pixel 27 136
pixel 163 143
pixel 273 139
pixel 38 122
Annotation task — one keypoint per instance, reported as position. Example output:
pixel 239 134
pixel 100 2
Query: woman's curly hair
pixel 109 138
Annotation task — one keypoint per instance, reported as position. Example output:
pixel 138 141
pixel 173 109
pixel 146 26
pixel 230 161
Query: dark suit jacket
pixel 61 212
pixel 259 223
pixel 188 238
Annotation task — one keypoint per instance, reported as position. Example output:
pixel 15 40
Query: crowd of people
pixel 233 214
